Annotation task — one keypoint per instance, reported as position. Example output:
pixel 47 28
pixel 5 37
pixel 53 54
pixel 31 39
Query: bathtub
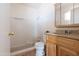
pixel 25 50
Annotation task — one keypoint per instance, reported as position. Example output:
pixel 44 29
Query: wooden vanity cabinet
pixel 51 49
pixel 50 46
pixel 61 46
pixel 63 51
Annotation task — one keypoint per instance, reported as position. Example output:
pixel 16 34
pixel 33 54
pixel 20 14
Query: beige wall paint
pixel 46 19
pixel 25 29
pixel 4 29
pixel 38 18
pixel 34 24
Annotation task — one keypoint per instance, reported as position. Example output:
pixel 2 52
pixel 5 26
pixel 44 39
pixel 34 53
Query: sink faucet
pixel 68 32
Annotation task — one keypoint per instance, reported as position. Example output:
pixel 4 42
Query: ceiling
pixel 34 5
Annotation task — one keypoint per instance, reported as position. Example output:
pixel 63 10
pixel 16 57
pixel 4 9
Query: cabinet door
pixel 66 13
pixel 50 49
pixel 62 51
pixel 76 13
pixel 57 15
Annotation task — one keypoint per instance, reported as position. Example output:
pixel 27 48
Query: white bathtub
pixel 26 50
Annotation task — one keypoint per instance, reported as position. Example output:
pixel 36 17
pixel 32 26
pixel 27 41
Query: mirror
pixel 76 13
pixel 57 15
pixel 66 13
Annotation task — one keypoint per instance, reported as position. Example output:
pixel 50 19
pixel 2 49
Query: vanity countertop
pixel 75 37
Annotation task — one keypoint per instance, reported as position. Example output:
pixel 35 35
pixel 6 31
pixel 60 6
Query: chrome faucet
pixel 68 32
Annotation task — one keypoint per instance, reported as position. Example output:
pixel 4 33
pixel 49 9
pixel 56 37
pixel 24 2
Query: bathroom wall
pixel 4 29
pixel 37 18
pixel 45 19
pixel 24 28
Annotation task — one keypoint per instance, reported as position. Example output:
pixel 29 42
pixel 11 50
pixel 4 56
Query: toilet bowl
pixel 39 48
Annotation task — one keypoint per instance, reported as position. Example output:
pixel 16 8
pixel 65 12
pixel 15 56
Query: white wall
pixel 38 17
pixel 4 29
pixel 45 19
pixel 36 23
pixel 25 29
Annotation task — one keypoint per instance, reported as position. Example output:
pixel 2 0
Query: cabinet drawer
pixel 70 43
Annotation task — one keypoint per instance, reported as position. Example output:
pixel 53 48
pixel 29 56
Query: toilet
pixel 39 48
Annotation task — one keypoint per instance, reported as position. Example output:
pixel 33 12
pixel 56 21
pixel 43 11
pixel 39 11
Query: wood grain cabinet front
pixel 50 49
pixel 61 46
pixel 63 51
pixel 50 45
